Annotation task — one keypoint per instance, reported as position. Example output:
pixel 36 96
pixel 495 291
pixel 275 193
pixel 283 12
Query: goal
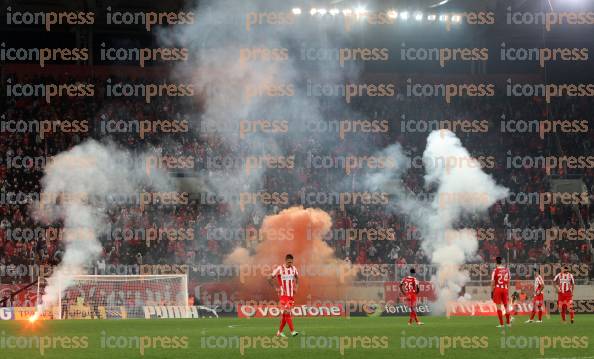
pixel 116 296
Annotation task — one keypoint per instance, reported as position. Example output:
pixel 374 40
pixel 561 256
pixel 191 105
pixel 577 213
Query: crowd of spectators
pixel 201 220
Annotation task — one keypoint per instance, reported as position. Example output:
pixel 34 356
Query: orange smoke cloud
pixel 322 277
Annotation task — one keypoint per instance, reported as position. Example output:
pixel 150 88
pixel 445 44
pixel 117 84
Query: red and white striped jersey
pixel 409 284
pixel 286 279
pixel 565 282
pixel 501 277
pixel 538 284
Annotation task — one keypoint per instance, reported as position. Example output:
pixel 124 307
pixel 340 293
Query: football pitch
pixel 357 337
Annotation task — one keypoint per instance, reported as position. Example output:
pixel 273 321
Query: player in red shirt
pixel 538 299
pixel 288 281
pixel 409 286
pixel 565 285
pixel 500 291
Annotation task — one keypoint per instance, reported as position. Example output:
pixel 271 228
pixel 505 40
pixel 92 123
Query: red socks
pixel 289 321
pixel 500 315
pixel 563 308
pixel 413 316
pixel 282 324
pixel 534 312
pixel 286 319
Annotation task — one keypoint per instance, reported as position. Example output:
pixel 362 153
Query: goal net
pixel 117 296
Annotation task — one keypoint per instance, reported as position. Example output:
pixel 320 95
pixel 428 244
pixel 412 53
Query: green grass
pixel 218 338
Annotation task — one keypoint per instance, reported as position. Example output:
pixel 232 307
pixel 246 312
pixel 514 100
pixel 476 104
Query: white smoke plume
pixel 79 187
pixel 462 189
pixel 238 87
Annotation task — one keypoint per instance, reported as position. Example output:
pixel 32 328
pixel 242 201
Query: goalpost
pixel 117 296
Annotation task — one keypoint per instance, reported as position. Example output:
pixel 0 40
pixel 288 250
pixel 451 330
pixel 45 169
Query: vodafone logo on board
pixel 271 311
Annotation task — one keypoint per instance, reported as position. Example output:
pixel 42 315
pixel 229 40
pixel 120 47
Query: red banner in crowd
pixel 26 298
